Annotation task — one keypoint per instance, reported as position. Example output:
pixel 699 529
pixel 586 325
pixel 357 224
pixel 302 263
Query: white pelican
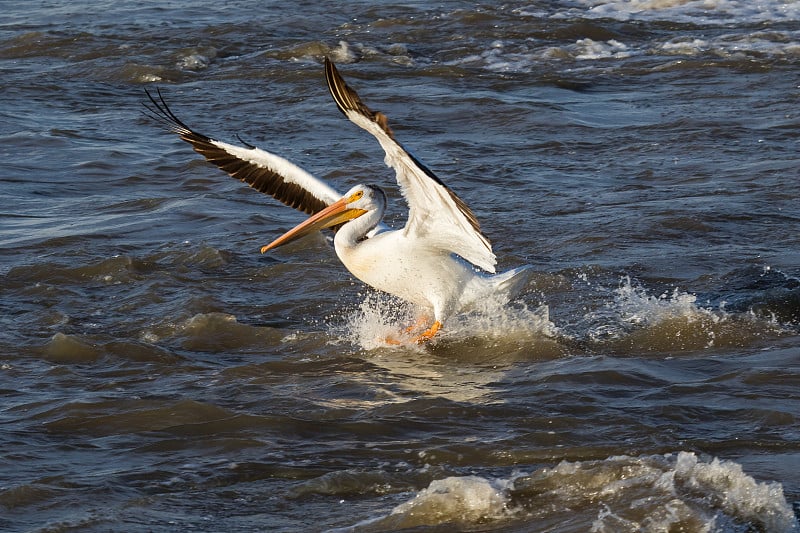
pixel 439 261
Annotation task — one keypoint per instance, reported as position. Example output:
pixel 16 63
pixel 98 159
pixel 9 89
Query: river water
pixel 158 374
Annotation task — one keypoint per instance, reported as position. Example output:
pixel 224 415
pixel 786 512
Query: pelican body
pixel 439 261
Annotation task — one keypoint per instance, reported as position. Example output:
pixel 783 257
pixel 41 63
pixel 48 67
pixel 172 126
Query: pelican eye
pixel 356 196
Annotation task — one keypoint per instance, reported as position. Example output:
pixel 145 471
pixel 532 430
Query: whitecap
pixel 469 499
pixel 670 492
pixel 636 321
pixel 590 49
pixel 714 12
pixel 342 53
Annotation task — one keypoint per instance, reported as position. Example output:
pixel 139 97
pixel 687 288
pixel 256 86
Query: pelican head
pixel 358 201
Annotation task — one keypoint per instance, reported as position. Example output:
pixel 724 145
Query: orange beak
pixel 334 214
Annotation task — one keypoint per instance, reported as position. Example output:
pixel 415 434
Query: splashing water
pixel 671 321
pixel 671 492
pixel 630 320
pixel 634 306
pixel 495 319
pixel 380 317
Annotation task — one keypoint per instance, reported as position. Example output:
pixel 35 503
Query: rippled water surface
pixel 158 374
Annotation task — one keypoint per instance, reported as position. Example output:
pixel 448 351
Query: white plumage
pixel 440 261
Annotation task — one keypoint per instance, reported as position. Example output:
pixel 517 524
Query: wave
pixel 671 492
pixel 716 12
pixel 636 321
pixel 627 320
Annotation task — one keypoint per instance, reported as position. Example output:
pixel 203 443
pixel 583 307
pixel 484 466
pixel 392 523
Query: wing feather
pixel 262 170
pixel 436 213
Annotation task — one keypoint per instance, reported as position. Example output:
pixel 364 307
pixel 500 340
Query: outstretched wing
pixel 435 213
pixel 262 170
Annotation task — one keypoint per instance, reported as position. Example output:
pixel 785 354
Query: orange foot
pixel 428 334
pixel 392 342
pixel 422 338
pixel 420 322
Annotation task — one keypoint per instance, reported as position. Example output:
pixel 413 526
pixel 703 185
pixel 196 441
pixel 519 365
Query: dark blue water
pixel 158 374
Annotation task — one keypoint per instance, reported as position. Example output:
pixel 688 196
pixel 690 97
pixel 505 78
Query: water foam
pixel 514 55
pixel 671 492
pixel 632 320
pixel 632 307
pixel 716 12
pixel 380 317
pixel 673 320
pixel 591 49
pixel 469 499
pixel 635 306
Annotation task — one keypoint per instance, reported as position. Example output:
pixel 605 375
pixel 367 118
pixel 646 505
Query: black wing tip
pixel 345 97
pixel 159 111
pixel 348 100
pixel 262 179
pixel 336 84
pixel 247 144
